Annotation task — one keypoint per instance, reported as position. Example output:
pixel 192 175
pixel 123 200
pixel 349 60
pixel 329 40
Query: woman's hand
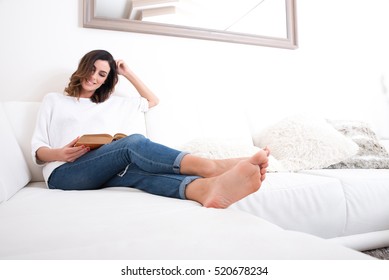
pixel 68 153
pixel 122 67
pixel 143 90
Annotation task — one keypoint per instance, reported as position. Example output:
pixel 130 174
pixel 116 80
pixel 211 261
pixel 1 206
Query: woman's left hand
pixel 144 91
pixel 122 67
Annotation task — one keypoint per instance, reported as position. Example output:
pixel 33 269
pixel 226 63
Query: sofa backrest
pixel 176 123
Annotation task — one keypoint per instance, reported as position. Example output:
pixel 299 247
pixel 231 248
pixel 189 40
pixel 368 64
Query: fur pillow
pixel 213 148
pixel 306 142
pixel 371 153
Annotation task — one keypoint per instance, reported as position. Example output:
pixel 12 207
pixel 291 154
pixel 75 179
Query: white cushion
pixel 366 192
pixel 385 143
pixel 14 172
pixel 371 154
pixel 218 148
pixel 300 202
pixel 22 118
pixel 123 223
pixel 306 142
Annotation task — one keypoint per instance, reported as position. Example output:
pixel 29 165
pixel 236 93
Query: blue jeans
pixel 133 161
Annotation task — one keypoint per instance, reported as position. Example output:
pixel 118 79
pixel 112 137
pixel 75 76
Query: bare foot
pixel 238 182
pixel 224 165
pixel 203 167
pixel 264 164
pixel 192 165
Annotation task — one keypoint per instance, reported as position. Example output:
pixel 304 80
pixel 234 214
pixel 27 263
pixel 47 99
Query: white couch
pixel 293 216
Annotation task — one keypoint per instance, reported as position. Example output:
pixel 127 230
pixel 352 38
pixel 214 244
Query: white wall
pixel 337 71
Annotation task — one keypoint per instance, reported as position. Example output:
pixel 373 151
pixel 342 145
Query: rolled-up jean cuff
pixel 177 162
pixel 184 184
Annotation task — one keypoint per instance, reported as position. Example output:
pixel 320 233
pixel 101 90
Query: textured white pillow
pixel 214 148
pixel 14 172
pixel 306 142
pixel 371 154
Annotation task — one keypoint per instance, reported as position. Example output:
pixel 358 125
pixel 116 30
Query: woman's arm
pixel 143 90
pixel 68 153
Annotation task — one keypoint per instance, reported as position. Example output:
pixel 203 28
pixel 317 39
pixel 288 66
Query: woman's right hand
pixel 68 153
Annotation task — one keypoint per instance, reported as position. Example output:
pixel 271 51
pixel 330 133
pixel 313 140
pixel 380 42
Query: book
pixel 94 141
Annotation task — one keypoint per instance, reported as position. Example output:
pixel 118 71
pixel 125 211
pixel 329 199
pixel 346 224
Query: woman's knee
pixel 135 139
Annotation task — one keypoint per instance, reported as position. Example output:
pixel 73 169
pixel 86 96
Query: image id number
pixel 241 270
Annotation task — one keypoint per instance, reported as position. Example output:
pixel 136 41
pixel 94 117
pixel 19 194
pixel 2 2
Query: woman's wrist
pixel 129 75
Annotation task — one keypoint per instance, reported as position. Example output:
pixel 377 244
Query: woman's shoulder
pixel 58 97
pixel 55 99
pixel 53 96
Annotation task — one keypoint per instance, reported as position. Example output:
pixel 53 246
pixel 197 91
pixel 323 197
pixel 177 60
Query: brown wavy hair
pixel 85 67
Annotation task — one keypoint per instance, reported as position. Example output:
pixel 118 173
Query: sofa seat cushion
pixel 366 193
pixel 301 202
pixel 329 203
pixel 14 172
pixel 122 223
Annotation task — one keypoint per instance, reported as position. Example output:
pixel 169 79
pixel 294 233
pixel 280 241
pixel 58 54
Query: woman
pixel 134 161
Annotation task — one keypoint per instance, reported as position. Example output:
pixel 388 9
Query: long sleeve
pixel 40 136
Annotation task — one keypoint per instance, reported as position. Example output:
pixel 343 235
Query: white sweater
pixel 62 119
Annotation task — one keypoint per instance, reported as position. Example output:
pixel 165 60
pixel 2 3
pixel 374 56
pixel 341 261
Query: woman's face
pixel 96 78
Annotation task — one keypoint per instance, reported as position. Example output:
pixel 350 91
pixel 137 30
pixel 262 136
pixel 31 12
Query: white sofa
pixel 295 215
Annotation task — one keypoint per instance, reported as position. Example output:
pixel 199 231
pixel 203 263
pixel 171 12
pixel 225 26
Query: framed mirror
pixel 270 23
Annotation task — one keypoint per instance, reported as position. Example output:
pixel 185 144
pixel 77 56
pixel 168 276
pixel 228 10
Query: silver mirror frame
pixel 91 21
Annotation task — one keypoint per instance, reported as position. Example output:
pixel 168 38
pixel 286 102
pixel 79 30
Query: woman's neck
pixel 86 94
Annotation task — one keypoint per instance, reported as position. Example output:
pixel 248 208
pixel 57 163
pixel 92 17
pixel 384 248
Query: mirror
pixel 270 23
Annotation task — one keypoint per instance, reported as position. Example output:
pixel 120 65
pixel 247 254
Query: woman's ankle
pixel 193 165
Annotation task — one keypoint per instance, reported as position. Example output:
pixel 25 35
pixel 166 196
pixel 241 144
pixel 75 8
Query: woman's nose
pixel 94 77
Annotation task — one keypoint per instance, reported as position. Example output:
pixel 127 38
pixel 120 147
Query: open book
pixel 94 141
